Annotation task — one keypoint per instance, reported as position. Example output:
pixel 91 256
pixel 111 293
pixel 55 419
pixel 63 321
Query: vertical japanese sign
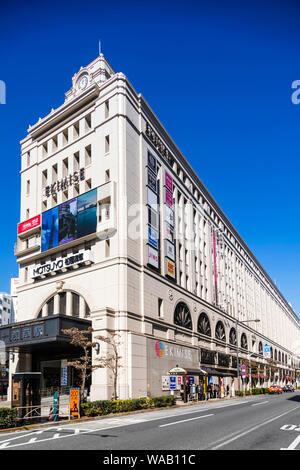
pixel 152 202
pixel 74 402
pixel 169 223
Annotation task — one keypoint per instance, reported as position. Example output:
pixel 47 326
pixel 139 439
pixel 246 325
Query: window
pixel 76 130
pixel 65 137
pixel 28 158
pixel 107 176
pixel 27 187
pixel 107 248
pixel 75 305
pixel 160 308
pixel 62 303
pixel 27 213
pixel 88 155
pixel 182 316
pixel 106 109
pixel 88 123
pixel 44 178
pixel 107 144
pixel 50 306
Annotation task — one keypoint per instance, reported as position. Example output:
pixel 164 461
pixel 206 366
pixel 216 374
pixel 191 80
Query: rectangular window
pixel 27 187
pixel 75 305
pixel 107 248
pixel 88 155
pixel 160 308
pixel 106 107
pixel 65 135
pixel 107 144
pixel 62 303
pixel 107 176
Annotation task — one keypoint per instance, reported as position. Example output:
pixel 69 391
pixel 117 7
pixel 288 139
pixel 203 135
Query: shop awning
pixel 218 373
pixel 199 372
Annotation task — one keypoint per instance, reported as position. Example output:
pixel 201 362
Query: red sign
pixel 29 224
pixel 168 181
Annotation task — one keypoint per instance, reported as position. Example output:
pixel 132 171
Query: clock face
pixel 82 83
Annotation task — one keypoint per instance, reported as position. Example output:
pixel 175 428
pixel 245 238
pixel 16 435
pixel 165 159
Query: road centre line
pixel 254 428
pixel 184 420
pixel 261 403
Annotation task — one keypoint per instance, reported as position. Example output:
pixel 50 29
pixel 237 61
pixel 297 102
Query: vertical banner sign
pixel 169 223
pixel 152 202
pixel 74 402
pixel 215 266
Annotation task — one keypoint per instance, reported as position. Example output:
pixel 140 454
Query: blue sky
pixel 217 74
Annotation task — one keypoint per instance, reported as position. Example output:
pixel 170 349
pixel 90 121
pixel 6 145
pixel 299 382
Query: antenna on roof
pixel 99 47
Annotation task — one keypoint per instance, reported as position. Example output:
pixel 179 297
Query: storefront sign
pixel 153 237
pixel 267 351
pixel 170 268
pixel 169 250
pixel 152 199
pixel 62 263
pixel 152 257
pixel 173 382
pixel 151 180
pixel 29 224
pixel 169 232
pixel 169 215
pixel 168 197
pixel 165 382
pixel 151 161
pixel 168 181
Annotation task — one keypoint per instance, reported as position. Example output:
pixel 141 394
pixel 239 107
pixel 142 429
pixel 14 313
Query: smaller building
pixel 5 309
pixel 14 284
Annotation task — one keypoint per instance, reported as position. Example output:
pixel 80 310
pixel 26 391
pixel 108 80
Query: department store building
pixel 118 232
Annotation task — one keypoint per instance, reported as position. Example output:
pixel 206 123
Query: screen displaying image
pixel 69 221
pixel 87 213
pixel 50 229
pixel 67 216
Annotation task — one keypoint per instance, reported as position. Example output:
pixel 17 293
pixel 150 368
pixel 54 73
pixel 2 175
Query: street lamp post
pixel 256 320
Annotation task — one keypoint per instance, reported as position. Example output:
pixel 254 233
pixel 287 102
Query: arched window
pixel 204 325
pixel 78 306
pixel 260 348
pixel 271 349
pixel 182 316
pixel 279 356
pixel 220 331
pixel 232 337
pixel 275 354
pixel 244 343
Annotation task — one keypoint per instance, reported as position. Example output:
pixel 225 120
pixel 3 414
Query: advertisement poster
pixel 153 237
pixel 169 216
pixel 169 233
pixel 152 162
pixel 169 181
pixel 168 197
pixel 153 218
pixel 152 257
pixel 151 180
pixel 169 250
pixel 152 199
pixel 170 268
pixel 74 402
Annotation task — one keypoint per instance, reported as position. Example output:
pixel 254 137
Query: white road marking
pixel 293 445
pixel 261 403
pixel 184 420
pixel 238 436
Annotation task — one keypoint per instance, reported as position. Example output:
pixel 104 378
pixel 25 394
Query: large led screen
pixel 87 213
pixel 69 221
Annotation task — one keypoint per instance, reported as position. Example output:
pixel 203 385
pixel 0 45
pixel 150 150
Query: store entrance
pixel 51 374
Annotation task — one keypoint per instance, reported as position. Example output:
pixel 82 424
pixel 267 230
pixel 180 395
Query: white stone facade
pixel 108 129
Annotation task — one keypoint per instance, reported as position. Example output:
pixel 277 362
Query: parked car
pixel 290 388
pixel 284 388
pixel 275 389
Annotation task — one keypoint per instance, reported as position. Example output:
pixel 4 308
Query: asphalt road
pixel 269 422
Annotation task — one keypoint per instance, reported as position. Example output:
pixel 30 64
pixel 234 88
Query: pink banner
pixel 169 181
pixel 169 198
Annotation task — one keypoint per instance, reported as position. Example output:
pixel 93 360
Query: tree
pixel 111 359
pixel 81 339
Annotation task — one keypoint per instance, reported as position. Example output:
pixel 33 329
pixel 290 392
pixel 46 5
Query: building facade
pixel 118 232
pixel 6 309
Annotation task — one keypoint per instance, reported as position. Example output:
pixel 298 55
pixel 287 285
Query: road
pixel 268 422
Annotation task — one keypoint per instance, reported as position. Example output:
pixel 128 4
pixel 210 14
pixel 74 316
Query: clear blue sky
pixel 218 75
